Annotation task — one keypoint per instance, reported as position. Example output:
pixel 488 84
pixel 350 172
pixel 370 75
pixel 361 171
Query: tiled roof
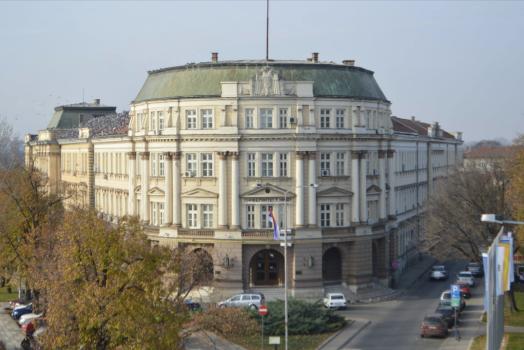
pixel 111 124
pixel 492 152
pixel 416 127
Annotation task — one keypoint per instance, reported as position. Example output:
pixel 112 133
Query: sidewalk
pixel 414 272
pixel 10 333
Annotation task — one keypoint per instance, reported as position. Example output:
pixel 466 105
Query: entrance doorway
pixel 332 266
pixel 267 268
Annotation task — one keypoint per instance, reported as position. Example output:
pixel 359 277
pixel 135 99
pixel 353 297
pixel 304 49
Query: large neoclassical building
pixel 208 150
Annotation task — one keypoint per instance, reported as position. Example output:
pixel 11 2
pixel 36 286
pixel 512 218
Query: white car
pixel 28 318
pixel 335 301
pixel 250 300
pixel 438 272
pixel 466 277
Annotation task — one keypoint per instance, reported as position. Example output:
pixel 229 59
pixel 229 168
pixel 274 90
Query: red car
pixel 464 290
pixel 433 326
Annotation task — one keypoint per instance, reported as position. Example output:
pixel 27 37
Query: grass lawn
pixel 515 318
pixel 515 342
pixel 296 342
pixel 5 296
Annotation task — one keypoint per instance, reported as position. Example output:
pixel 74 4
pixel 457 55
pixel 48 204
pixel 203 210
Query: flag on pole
pixel 276 231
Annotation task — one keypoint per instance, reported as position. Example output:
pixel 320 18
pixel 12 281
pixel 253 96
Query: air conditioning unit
pixel 292 120
pixel 324 172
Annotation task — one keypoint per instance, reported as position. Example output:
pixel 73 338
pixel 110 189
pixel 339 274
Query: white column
pixel 382 183
pixel 299 175
pixel 363 188
pixel 131 184
pixel 312 195
pixel 177 201
pixel 235 191
pixel 222 191
pixel 168 185
pixel 392 182
pixel 354 187
pixel 144 198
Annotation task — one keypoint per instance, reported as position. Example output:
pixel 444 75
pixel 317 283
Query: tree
pixel 519 140
pixel 10 147
pixel 107 287
pixel 453 227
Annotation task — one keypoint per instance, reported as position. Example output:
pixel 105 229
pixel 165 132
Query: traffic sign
pixel 262 310
pixel 455 295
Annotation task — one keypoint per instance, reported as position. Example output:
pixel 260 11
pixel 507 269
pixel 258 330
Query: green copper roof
pixel 203 79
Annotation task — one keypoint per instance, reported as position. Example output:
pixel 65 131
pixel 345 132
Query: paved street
pixel 10 333
pixel 395 324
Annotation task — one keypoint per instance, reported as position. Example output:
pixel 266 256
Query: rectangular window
pixel 339 215
pixel 249 117
pixel 160 213
pixel 207 118
pixel 160 120
pixel 325 164
pixel 191 164
pixel 265 220
pixel 153 164
pixel 250 215
pixel 266 118
pixel 283 164
pixel 139 121
pixel 207 164
pixel 192 215
pixel 267 164
pixel 154 220
pixel 161 165
pixel 207 214
pixel 153 121
pixel 340 116
pixel 282 118
pixel 325 115
pixel 325 215
pixel 341 160
pixel 251 164
pixel 191 120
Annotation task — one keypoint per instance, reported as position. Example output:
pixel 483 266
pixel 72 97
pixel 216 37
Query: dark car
pixel 433 326
pixel 192 305
pixel 447 314
pixel 18 312
pixel 476 269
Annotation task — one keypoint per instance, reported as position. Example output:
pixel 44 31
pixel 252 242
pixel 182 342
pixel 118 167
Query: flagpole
pixel 267 32
pixel 285 272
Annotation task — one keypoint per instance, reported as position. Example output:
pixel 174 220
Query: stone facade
pixel 347 179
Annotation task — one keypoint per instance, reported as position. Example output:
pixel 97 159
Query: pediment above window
pixel 267 191
pixel 334 192
pixel 155 191
pixel 199 193
pixel 373 189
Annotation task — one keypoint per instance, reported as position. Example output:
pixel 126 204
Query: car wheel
pixel 253 307
pixel 222 306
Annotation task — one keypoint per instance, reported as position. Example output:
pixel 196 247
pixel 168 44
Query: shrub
pixel 227 321
pixel 304 318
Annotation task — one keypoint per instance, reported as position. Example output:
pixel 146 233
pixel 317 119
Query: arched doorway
pixel 267 268
pixel 202 266
pixel 332 265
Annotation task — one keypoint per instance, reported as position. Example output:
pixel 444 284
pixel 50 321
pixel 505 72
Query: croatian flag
pixel 276 235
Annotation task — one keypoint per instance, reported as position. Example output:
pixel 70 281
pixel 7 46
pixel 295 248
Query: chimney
pixel 348 63
pixel 96 101
pixel 314 57
pixel 413 118
pixel 214 57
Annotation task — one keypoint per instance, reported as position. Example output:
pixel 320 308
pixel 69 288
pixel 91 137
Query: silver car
pixel 249 300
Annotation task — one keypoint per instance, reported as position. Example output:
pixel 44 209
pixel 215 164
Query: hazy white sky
pixel 461 63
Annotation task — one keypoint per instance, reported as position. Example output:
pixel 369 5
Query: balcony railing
pixel 258 234
pixel 196 233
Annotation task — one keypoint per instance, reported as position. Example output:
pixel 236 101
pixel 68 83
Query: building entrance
pixel 267 268
pixel 332 266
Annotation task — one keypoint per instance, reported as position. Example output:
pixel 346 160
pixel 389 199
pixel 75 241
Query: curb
pixel 364 326
pixel 346 341
pixel 328 340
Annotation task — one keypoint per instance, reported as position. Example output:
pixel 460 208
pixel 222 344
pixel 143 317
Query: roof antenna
pixel 267 30
pixel 83 99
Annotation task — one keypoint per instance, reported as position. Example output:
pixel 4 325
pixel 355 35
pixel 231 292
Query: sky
pixel 459 63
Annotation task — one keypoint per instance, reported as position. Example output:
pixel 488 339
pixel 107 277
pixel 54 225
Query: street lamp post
pixel 495 305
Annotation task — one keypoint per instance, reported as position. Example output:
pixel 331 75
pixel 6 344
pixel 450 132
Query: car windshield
pixel 432 320
pixel 337 297
pixel 438 268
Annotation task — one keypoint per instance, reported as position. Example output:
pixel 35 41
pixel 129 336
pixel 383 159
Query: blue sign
pixel 455 295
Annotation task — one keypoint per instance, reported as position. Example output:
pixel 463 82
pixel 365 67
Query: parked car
pixel 447 313
pixel 433 326
pixel 467 277
pixel 445 297
pixel 476 269
pixel 19 311
pixel 28 318
pixel 192 305
pixel 250 300
pixel 335 301
pixel 438 273
pixel 464 289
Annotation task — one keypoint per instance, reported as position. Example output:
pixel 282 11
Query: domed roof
pixel 203 79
